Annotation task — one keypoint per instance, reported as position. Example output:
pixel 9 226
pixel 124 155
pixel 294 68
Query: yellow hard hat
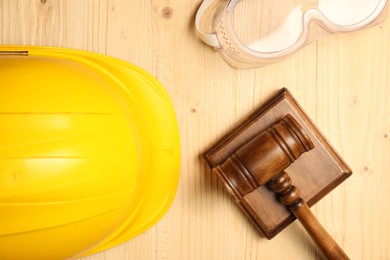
pixel 89 152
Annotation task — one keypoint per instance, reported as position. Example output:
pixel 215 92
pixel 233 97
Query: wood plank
pixel 341 81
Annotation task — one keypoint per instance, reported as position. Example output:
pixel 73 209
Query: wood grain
pixel 341 81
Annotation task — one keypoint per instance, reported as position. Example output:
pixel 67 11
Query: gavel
pixel 262 161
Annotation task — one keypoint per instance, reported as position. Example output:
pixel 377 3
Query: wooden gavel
pixel 263 160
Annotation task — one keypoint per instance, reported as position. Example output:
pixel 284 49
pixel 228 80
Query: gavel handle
pixel 289 195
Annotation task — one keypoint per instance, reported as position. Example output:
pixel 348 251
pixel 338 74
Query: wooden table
pixel 341 81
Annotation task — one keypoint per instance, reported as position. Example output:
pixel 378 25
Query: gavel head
pixel 264 157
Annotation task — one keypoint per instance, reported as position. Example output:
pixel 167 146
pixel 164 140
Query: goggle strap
pixel 209 39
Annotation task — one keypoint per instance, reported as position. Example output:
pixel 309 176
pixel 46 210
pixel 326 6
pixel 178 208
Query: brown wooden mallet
pixel 262 161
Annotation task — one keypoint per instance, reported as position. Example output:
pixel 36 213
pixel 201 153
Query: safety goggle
pixel 254 33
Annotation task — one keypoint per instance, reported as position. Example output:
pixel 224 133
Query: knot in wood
pixel 167 12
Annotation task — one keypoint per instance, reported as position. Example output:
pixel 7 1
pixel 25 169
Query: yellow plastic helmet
pixel 89 152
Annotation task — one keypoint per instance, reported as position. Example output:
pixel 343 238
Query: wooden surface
pixel 342 82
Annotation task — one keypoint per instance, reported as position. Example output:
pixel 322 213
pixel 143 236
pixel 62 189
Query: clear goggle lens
pixel 259 32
